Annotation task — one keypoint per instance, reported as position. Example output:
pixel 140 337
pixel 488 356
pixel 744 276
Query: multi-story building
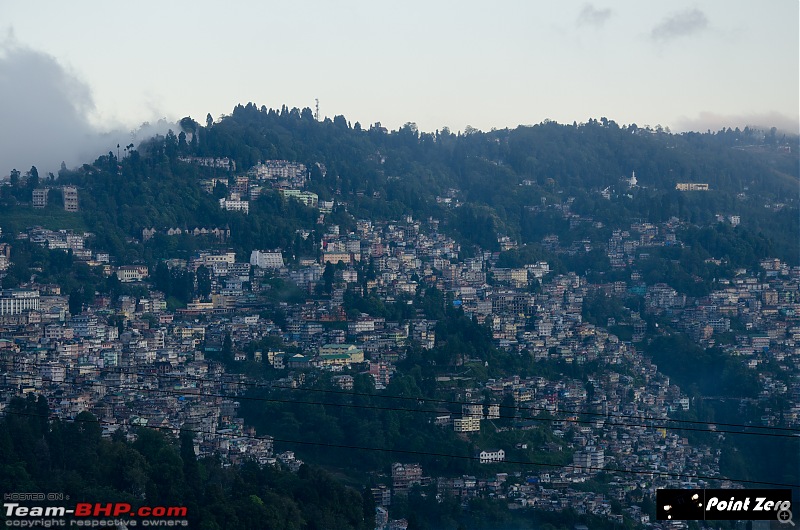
pixel 84 325
pixel 474 410
pixel 381 373
pixel 240 187
pixel 306 197
pixel 235 204
pixel 18 301
pixel 591 458
pixel 266 259
pixel 404 476
pixel 516 277
pixel 53 372
pixel 70 198
pixel 467 424
pixel 336 257
pixel 279 169
pixel 382 495
pixel 340 355
pixel 132 273
pixel 40 197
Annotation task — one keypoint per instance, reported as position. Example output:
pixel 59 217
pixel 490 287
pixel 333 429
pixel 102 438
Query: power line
pixel 429 454
pixel 432 400
pixel 128 386
pixel 558 411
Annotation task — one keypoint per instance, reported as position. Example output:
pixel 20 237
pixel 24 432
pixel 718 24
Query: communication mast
pixel 316 113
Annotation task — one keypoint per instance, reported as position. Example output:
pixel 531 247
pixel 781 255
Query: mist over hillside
pixel 48 115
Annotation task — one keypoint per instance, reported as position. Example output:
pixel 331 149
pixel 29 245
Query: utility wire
pixel 131 387
pixel 450 402
pixel 429 454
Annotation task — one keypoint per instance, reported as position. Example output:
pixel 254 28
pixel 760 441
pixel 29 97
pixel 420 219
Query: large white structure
pixel 278 169
pixel 234 204
pixel 132 273
pixel 591 458
pixel 266 259
pixel 18 301
pixel 487 457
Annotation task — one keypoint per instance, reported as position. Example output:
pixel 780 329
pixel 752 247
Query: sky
pixel 76 78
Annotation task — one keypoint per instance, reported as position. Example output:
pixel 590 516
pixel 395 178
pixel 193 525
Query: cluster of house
pixel 289 178
pixel 132 362
pixel 151 373
pixel 626 246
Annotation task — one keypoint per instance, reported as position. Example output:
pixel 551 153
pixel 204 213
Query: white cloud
pixel 592 16
pixel 681 24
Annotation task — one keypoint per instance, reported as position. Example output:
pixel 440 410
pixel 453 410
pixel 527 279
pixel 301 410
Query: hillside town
pixel 137 361
pixel 132 362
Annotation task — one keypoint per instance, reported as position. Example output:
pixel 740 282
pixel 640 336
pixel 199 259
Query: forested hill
pixel 524 183
pixel 412 168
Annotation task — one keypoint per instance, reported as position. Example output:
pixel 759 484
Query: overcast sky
pixel 69 70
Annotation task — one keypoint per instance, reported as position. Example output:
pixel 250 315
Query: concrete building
pixel 132 273
pixel 70 198
pixel 487 457
pixel 18 301
pixel 404 476
pixel 591 458
pixel 235 204
pixel 306 197
pixel 340 355
pixel 691 186
pixel 382 495
pixel 40 197
pixel 266 259
pixel 467 424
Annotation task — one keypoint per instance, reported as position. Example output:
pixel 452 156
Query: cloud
pixel 679 25
pixel 46 115
pixel 706 120
pixel 592 16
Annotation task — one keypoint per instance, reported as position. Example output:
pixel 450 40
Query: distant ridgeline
pixel 269 175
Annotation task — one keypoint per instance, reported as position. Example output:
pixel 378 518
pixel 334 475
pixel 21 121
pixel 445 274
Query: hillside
pixel 526 183
pixel 534 279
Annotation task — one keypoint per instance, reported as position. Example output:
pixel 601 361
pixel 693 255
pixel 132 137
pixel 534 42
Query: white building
pixel 132 273
pixel 266 259
pixel 487 457
pixel 18 301
pixel 234 204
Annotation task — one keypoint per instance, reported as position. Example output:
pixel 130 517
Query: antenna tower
pixel 316 113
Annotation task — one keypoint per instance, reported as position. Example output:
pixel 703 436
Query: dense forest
pixel 517 183
pixel 37 454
